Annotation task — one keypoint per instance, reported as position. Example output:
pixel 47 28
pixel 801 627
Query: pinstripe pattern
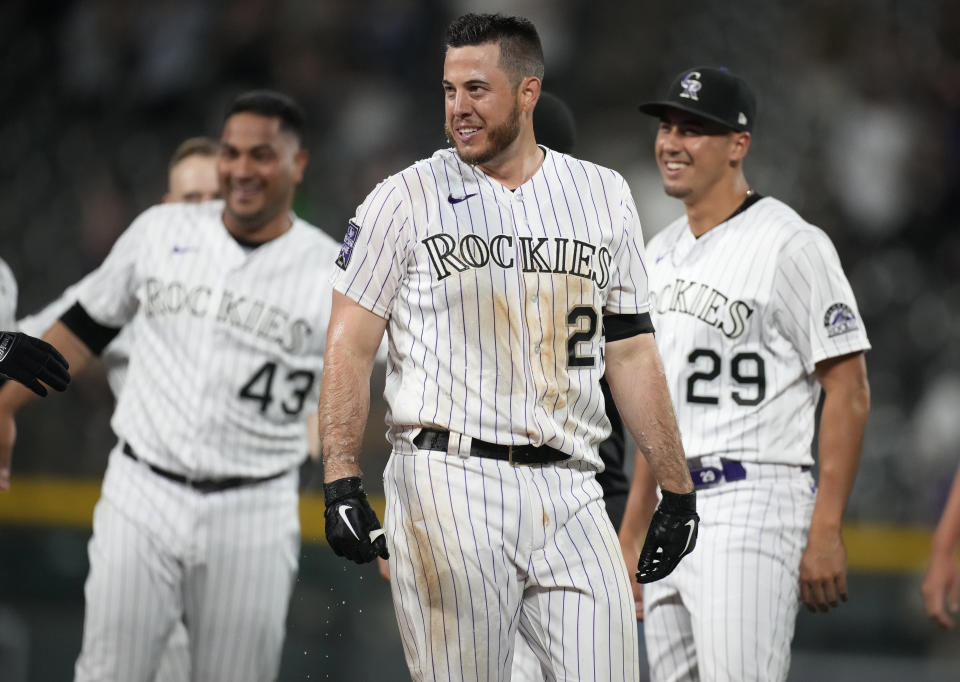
pixel 197 288
pixel 481 550
pixel 760 283
pixel 208 315
pixel 445 274
pixel 743 315
pixel 161 551
pixel 483 289
pixel 728 614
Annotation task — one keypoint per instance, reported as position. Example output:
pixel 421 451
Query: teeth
pixel 673 165
pixel 468 131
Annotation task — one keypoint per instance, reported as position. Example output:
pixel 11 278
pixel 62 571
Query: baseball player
pixel 509 278
pixel 191 178
pixel 24 358
pixel 197 520
pixel 755 318
pixel 941 583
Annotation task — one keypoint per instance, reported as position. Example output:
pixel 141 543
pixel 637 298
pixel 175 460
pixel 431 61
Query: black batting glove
pixel 672 535
pixel 352 527
pixel 26 359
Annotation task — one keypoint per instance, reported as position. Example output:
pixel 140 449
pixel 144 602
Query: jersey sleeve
pixel 816 308
pixel 628 293
pixel 8 298
pixel 370 263
pixel 109 293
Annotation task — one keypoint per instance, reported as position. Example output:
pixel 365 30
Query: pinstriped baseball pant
pixel 727 612
pixel 223 562
pixel 480 550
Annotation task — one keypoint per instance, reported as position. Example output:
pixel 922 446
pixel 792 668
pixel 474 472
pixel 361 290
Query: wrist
pixel 678 503
pixel 351 486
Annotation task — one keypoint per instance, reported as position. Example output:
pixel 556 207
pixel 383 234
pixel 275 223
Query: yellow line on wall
pixel 64 502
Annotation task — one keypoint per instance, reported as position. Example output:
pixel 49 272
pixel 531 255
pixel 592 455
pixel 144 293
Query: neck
pixel 517 163
pixel 705 213
pixel 259 232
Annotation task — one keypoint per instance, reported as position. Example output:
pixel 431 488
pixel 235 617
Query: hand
pixel 632 558
pixel 941 588
pixel 823 570
pixel 26 359
pixel 8 435
pixel 352 527
pixel 672 535
pixel 384 568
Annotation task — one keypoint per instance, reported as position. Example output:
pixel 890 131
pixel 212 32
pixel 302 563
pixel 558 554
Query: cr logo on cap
pixel 691 86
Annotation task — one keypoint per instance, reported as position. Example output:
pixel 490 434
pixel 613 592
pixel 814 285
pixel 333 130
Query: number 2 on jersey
pixel 260 388
pixel 747 369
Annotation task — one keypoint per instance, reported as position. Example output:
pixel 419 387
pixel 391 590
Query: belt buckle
pixel 510 454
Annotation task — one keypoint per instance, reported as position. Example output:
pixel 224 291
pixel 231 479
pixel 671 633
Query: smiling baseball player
pixel 754 317
pixel 198 517
pixel 509 279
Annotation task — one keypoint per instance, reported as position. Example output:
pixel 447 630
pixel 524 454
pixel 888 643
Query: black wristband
pixel 679 503
pixel 341 488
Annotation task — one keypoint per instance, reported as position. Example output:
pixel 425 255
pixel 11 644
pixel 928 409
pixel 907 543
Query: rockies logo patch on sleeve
pixel 839 319
pixel 349 240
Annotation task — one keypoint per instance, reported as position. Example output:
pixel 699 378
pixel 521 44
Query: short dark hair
pixel 194 146
pixel 271 104
pixel 521 53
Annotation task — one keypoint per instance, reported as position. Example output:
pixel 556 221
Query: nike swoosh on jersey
pixel 456 200
pixel 693 525
pixel 343 515
pixel 183 249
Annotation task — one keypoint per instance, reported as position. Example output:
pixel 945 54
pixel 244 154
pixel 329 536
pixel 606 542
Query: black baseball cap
pixel 714 94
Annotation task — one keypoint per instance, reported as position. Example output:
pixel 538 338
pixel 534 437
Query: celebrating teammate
pixel 197 520
pixel 24 358
pixel 510 277
pixel 754 317
pixel 191 178
pixel 941 583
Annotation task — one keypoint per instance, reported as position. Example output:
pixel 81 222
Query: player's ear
pixel 167 198
pixel 740 146
pixel 528 92
pixel 300 160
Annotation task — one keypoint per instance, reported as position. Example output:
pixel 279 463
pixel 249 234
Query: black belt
pixel 431 439
pixel 203 485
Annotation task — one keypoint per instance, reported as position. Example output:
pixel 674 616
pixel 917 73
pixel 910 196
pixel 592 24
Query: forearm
pixel 842 424
pixel 639 387
pixel 344 407
pixel 641 502
pixel 946 538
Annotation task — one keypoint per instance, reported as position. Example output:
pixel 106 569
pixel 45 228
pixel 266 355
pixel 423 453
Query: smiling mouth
pixel 466 134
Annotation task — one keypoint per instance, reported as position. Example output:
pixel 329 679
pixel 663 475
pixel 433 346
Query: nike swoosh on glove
pixel 352 527
pixel 672 535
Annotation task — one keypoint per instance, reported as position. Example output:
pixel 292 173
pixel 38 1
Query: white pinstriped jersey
pixel 8 298
pixel 115 355
pixel 742 316
pixel 230 339
pixel 494 298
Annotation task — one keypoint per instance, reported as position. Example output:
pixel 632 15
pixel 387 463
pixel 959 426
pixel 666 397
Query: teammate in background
pixel 24 358
pixel 941 584
pixel 197 521
pixel 492 264
pixel 191 178
pixel 754 318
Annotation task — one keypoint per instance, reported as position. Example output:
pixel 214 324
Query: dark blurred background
pixel 859 130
